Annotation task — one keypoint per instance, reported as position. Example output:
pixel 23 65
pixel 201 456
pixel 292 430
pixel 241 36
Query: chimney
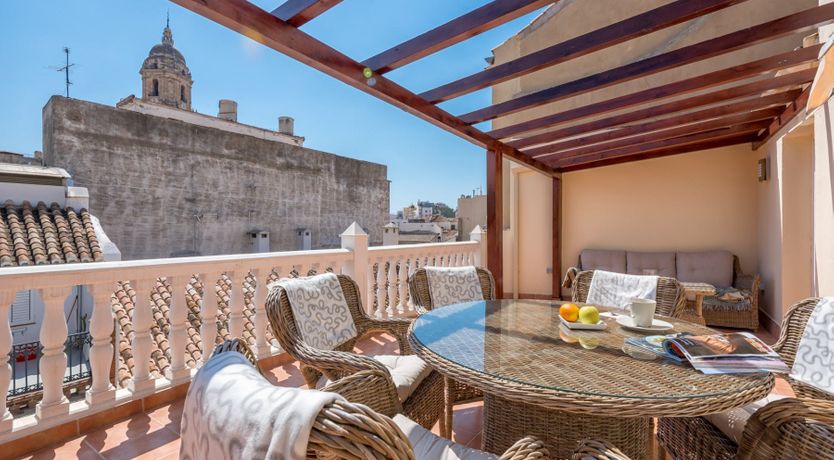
pixel 285 125
pixel 228 110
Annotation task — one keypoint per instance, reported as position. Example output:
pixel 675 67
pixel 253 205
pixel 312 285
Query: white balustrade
pixel 53 362
pixel 101 351
pixel 178 372
pixel 6 299
pixel 381 273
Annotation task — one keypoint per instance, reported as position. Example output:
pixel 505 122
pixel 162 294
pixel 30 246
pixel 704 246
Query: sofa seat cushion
pixel 712 267
pixel 603 259
pixel 407 372
pixel 431 446
pixel 651 263
pixel 732 422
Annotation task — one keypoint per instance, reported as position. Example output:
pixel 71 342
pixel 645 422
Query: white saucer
pixel 657 325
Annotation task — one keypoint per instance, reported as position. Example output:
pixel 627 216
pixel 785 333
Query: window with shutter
pixel 21 311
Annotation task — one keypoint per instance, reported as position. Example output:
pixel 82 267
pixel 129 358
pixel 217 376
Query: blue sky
pixel 110 38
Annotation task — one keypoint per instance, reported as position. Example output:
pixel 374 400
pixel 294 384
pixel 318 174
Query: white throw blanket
pixel 448 285
pixel 617 289
pixel 320 309
pixel 232 412
pixel 814 363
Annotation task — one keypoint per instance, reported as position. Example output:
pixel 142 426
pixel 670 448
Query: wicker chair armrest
pixel 570 275
pixel 350 430
pixel 397 327
pixel 527 448
pixel 373 388
pixel 764 427
pixel 237 345
pixel 336 364
pixel 748 283
pixel 597 449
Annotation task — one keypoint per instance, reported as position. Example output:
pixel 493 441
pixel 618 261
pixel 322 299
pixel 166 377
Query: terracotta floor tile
pixel 287 375
pixel 74 448
pixel 169 416
pixel 475 442
pixel 134 428
pixel 467 422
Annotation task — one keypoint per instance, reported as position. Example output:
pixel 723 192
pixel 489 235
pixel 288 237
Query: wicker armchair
pixel 801 427
pixel 418 286
pixel 747 318
pixel 425 404
pixel 671 300
pixel 362 428
pixel 591 449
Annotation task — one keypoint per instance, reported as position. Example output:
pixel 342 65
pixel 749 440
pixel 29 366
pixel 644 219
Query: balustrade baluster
pixel 142 342
pixel 402 274
pixel 178 372
pixel 236 303
pixel 101 351
pixel 6 299
pixel 208 315
pixel 381 292
pixel 371 289
pixel 392 287
pixel 53 363
pixel 262 346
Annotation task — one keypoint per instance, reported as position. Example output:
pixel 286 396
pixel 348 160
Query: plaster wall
pixel 163 187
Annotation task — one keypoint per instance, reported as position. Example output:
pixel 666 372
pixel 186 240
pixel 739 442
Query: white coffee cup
pixel 642 311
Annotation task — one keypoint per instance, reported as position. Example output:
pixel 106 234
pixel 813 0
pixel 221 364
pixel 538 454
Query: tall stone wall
pixel 163 188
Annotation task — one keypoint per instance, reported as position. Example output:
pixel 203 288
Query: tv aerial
pixel 65 69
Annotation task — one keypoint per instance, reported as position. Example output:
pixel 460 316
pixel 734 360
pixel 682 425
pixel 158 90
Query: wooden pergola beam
pixel 489 16
pixel 793 110
pixel 687 148
pixel 299 12
pixel 670 133
pixel 651 21
pixel 737 130
pixel 803 21
pixel 678 88
pixel 721 96
pixel 759 105
pixel 251 21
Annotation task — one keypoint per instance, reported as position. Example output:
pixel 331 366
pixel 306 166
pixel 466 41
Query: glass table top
pixel 524 341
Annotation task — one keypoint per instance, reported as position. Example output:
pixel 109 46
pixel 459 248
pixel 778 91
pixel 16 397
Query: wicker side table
pixel 563 386
pixel 695 293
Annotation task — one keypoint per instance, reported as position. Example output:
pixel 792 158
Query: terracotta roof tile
pixel 46 235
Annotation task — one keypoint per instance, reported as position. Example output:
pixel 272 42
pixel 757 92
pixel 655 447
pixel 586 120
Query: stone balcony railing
pixel 241 285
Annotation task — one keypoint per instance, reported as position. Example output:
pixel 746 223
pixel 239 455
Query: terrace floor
pixel 154 433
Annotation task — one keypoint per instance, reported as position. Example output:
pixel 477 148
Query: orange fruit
pixel 569 311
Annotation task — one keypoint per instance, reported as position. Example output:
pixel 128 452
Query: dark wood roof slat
pixel 747 128
pixel 674 150
pixel 489 16
pixel 678 88
pixel 791 111
pixel 299 12
pixel 698 126
pixel 803 21
pixel 701 100
pixel 742 107
pixel 636 26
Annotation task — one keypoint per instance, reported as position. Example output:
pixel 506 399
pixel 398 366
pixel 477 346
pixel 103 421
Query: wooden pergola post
pixel 495 218
pixel 556 276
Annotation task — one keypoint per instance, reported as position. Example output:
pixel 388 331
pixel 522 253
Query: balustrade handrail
pixel 423 248
pixel 43 276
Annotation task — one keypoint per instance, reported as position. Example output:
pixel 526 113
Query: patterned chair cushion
pixel 428 445
pixel 407 372
pixel 732 422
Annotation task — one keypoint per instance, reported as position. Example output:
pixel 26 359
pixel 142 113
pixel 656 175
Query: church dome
pixel 165 57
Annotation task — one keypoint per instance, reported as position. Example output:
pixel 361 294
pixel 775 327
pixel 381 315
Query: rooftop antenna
pixel 168 19
pixel 66 70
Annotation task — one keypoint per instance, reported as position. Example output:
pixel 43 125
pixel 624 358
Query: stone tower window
pixel 155 88
pixel 182 93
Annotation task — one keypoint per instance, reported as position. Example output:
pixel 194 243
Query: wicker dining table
pixel 562 385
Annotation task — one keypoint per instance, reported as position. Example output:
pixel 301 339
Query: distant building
pixel 196 184
pixel 471 212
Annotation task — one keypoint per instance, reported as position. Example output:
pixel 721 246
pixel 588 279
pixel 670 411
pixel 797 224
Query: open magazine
pixel 730 353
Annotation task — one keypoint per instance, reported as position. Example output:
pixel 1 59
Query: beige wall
pixel 823 220
pixel 471 212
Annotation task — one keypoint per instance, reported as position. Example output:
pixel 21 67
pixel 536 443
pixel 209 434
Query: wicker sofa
pixel 719 269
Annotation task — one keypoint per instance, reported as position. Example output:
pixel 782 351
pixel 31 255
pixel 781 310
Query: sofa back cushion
pixel 651 263
pixel 603 259
pixel 713 267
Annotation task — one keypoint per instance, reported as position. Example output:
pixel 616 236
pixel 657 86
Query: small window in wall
pixel 155 88
pixel 182 93
pixel 21 311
